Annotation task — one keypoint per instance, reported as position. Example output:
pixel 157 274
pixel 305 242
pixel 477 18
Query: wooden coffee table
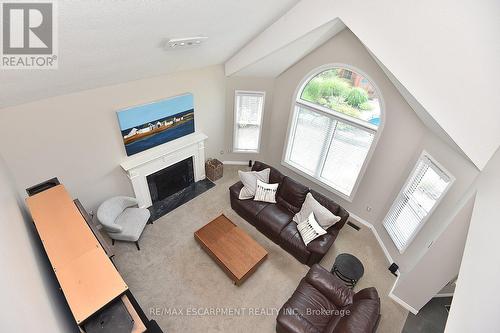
pixel 236 252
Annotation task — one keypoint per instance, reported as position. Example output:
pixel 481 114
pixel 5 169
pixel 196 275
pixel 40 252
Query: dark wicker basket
pixel 214 169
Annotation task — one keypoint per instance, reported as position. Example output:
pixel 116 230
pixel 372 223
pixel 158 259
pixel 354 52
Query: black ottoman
pixel 348 268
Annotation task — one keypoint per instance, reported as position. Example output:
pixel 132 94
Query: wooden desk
pixel 86 275
pixel 109 252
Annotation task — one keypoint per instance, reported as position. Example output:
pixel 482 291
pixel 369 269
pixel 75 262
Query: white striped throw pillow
pixel 310 229
pixel 266 192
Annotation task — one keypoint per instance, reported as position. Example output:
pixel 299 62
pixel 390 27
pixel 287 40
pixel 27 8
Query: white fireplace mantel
pixel 141 165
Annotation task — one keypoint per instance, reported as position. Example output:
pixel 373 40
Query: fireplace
pixel 173 186
pixel 170 180
pixel 154 166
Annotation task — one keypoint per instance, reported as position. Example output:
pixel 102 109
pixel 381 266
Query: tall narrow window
pixel 422 192
pixel 248 112
pixel 335 122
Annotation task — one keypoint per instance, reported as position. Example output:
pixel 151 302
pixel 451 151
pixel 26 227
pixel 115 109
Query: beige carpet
pixel 182 288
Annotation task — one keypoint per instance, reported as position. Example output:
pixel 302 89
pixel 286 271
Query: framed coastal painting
pixel 149 125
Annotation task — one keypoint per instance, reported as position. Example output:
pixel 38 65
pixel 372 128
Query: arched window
pixel 336 118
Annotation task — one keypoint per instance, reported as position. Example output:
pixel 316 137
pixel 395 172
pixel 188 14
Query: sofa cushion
pixel 274 177
pixel 249 180
pixel 322 214
pixel 310 229
pixel 132 222
pixel 292 194
pixel 326 202
pixel 333 207
pixel 291 241
pixel 266 192
pixel 248 209
pixel 272 219
pixel 310 304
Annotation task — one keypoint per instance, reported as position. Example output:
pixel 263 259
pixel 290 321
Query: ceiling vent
pixel 182 43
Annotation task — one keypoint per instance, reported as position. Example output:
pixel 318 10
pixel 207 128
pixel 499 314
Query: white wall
pixel 76 137
pixel 403 138
pixel 475 303
pixel 31 300
pixel 443 52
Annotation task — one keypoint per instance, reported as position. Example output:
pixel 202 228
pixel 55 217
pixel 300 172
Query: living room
pixel 294 166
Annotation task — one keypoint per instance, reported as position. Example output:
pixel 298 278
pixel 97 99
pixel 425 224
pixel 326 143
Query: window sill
pixel 236 151
pixel 346 197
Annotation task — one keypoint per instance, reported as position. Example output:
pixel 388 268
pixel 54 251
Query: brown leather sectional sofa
pixel 323 304
pixel 275 220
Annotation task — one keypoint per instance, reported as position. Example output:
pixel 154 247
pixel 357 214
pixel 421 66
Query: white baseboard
pixel 402 303
pixel 375 233
pixel 235 162
pixel 399 300
pixel 389 259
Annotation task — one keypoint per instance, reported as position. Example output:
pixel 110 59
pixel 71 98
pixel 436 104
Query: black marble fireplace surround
pixel 173 186
pixel 170 180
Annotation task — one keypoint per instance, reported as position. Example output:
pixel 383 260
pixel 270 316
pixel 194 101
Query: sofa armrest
pixel 130 202
pixel 321 245
pixel 344 216
pixel 367 293
pixel 234 190
pixel 330 286
pixel 113 228
pixel 364 313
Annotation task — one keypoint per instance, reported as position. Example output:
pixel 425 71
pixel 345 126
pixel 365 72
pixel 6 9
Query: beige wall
pixel 475 302
pixel 31 300
pixel 440 263
pixel 402 140
pixel 252 84
pixel 76 137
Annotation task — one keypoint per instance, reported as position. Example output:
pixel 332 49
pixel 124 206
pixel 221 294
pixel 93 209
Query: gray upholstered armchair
pixel 122 220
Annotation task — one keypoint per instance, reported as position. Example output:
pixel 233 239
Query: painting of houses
pixel 149 125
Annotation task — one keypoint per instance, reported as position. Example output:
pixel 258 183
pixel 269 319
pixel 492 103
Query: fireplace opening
pixel 166 182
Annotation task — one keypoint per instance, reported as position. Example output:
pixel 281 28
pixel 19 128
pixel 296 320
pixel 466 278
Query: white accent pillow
pixel 249 180
pixel 310 229
pixel 266 192
pixel 324 217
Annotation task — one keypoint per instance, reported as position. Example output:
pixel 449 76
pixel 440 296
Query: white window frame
pixel 235 117
pixel 377 131
pixel 423 155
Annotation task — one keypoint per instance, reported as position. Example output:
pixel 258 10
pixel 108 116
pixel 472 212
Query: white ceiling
pixel 279 61
pixel 106 42
pixel 444 58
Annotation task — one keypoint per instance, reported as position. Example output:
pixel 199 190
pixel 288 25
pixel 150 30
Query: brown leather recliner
pixel 323 304
pixel 275 220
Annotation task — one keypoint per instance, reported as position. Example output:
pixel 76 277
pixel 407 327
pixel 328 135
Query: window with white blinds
pixel 248 112
pixel 331 134
pixel 421 194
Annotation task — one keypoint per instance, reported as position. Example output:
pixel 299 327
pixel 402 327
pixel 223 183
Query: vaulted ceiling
pixel 443 57
pixel 440 55
pixel 107 42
